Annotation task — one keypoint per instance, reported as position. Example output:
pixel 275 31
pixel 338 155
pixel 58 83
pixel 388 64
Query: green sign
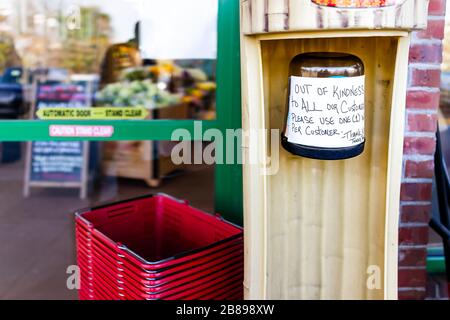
pixel 100 113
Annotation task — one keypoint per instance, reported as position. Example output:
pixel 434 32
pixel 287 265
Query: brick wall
pixel 421 115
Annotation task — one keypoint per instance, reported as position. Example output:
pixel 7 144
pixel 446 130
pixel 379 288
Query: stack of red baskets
pixel 157 247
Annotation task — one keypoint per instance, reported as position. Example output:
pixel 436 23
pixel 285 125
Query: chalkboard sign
pixel 58 163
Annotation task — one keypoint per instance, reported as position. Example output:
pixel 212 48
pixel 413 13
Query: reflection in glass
pixel 130 53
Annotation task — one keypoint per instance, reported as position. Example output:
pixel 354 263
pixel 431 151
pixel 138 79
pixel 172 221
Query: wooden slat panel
pixel 326 220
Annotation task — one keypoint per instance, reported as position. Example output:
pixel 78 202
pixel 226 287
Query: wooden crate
pixel 143 160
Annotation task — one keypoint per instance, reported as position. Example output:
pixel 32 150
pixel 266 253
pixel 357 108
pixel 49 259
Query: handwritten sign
pixel 326 112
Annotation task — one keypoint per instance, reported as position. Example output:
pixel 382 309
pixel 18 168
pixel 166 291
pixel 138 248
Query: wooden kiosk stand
pixel 324 229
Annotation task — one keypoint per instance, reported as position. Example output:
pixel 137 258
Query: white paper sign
pixel 179 29
pixel 326 112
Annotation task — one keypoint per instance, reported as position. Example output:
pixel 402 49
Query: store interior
pixel 121 60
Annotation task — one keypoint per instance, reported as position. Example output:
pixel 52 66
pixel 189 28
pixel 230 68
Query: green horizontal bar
pixel 435 261
pixel 157 130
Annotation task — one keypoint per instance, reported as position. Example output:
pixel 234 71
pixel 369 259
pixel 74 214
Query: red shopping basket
pixel 157 247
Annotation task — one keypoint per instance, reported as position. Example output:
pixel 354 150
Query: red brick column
pixel 421 115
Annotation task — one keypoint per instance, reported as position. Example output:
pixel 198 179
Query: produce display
pixel 159 86
pixel 136 93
